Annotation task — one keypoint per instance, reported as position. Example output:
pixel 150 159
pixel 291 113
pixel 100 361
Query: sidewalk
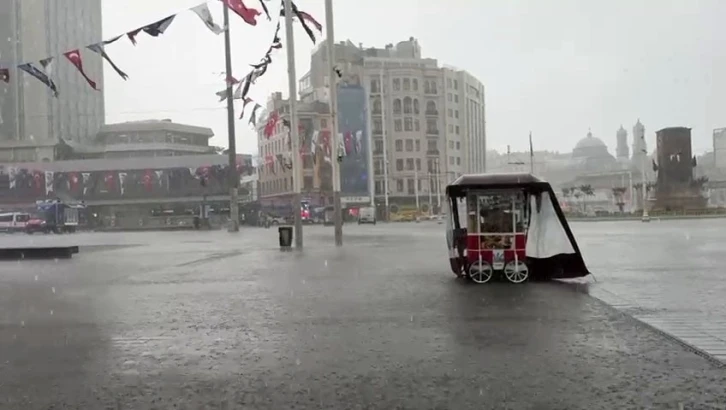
pixel 229 321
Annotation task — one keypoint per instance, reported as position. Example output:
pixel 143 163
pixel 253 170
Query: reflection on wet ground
pixel 668 274
pixel 212 320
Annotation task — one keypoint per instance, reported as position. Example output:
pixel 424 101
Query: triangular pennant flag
pixel 40 76
pixel 238 92
pixel 132 35
pixel 158 28
pixel 253 116
pixel 202 11
pixel 244 105
pixel 248 15
pixel 304 19
pixel 222 94
pixel 98 49
pixel 47 65
pixel 74 56
pixel 113 40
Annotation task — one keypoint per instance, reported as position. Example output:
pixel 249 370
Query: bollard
pixel 285 237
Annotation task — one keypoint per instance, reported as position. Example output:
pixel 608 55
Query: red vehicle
pixel 509 225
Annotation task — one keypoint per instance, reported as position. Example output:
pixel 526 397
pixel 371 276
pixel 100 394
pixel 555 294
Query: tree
pixel 587 192
pixel 619 196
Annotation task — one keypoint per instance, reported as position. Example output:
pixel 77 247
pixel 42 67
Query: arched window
pixel 397 106
pixel 407 108
pixel 431 108
pixel 416 109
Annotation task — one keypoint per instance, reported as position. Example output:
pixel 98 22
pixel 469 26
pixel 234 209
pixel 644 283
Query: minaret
pixel 621 151
pixel 640 148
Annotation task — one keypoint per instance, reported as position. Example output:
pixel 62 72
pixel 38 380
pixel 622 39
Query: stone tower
pixel 640 148
pixel 621 151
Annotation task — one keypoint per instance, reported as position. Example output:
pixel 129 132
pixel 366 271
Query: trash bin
pixel 285 233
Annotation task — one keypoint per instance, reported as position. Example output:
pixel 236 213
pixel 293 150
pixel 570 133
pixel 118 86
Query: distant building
pixel 431 118
pixel 719 148
pixel 149 138
pixel 276 183
pixel 32 31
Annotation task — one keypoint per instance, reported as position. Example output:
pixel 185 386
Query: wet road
pixel 208 320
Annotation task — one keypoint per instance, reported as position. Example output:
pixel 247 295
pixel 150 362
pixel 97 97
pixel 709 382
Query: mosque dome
pixel 592 155
pixel 590 147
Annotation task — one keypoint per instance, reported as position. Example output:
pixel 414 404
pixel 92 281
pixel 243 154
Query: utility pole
pixel 415 187
pixel 296 163
pixel 431 202
pixel 645 217
pixel 385 143
pixel 438 183
pixel 333 86
pixel 232 151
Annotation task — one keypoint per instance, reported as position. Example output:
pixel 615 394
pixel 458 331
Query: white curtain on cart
pixel 546 236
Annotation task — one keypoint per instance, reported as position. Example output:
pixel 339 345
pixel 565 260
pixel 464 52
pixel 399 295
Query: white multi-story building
pixel 33 30
pixel 430 119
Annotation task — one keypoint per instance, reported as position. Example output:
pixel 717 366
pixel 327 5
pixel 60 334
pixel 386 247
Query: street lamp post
pixel 333 86
pixel 645 217
pixel 233 176
pixel 296 163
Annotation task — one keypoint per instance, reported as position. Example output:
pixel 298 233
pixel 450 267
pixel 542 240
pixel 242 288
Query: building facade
pixel 431 120
pixel 275 150
pixel 37 29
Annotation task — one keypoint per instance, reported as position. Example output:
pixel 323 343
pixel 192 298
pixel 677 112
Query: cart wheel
pixel 480 272
pixel 516 271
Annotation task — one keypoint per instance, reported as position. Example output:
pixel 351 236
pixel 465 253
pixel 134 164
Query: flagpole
pixel 232 151
pixel 333 87
pixel 385 143
pixel 531 155
pixel 296 165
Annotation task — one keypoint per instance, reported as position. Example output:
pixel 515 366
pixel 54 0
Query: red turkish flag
pixel 248 15
pixel 74 56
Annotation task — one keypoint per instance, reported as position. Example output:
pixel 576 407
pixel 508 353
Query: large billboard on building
pixel 353 124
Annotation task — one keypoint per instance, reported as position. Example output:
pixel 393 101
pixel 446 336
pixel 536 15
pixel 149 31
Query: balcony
pixel 433 152
pixel 432 113
pixel 432 132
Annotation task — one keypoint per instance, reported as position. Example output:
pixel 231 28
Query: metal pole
pixel 233 175
pixel 385 143
pixel 415 187
pixel 438 184
pixel 431 202
pixel 333 87
pixel 296 163
pixel 645 217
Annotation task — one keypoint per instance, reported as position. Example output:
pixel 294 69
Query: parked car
pixel 367 215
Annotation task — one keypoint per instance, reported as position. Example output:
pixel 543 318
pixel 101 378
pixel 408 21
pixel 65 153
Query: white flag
pixel 122 182
pixel 202 11
pixel 48 182
pixel 314 143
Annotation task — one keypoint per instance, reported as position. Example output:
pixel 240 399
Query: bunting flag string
pixel 259 69
pixel 43 72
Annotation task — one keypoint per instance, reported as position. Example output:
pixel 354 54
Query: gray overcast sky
pixel 555 67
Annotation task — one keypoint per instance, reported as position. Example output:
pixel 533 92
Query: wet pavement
pixel 669 274
pixel 212 320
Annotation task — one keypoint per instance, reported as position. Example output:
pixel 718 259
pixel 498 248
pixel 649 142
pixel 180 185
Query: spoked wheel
pixel 481 272
pixel 516 271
